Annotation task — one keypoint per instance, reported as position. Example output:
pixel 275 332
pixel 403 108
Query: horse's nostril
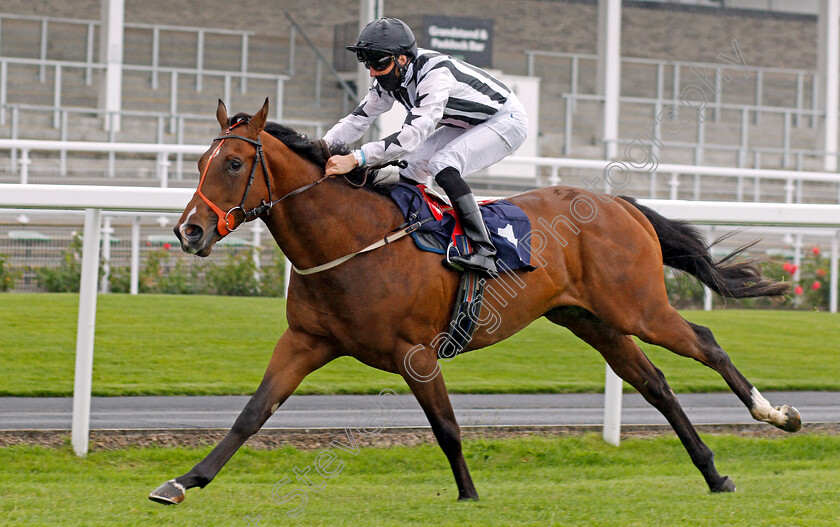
pixel 193 233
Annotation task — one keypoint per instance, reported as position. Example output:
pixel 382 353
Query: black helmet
pixel 389 36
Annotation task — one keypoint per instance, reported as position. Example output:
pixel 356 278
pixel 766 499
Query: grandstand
pixel 766 114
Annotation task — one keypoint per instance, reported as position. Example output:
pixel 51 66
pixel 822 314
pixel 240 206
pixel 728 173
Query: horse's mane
pixel 307 148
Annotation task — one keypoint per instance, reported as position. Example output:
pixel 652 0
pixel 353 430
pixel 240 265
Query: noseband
pixel 227 222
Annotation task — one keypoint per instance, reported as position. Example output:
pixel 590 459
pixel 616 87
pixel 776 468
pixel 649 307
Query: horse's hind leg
pixel 294 357
pixel 632 365
pixel 421 372
pixel 673 332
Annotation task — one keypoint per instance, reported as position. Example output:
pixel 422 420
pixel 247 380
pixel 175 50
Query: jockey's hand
pixel 337 165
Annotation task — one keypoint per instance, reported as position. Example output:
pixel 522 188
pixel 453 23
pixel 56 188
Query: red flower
pixel 789 268
pixel 816 285
pixel 166 246
pixel 816 251
pixel 821 272
pixel 798 290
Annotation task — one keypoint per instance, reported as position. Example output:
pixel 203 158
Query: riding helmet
pixel 385 35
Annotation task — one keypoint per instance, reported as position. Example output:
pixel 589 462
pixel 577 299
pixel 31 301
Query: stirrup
pixel 449 262
pixel 464 263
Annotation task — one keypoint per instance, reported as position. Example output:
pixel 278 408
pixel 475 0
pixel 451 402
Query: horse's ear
pixel 222 116
pixel 257 123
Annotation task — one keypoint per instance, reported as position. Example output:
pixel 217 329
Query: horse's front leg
pixel 295 356
pixel 421 372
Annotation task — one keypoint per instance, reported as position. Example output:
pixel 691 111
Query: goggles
pixel 376 61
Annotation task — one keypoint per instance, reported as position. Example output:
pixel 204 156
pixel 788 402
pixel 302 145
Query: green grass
pixel 791 481
pixel 200 345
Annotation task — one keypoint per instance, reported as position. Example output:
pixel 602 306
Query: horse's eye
pixel 235 164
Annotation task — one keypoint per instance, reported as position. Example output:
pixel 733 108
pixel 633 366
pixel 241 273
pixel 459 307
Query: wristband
pixel 360 157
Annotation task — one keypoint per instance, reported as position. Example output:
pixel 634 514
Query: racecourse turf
pixel 212 345
pixel 571 481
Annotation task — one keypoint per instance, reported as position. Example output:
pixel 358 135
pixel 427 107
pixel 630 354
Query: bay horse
pixel 599 273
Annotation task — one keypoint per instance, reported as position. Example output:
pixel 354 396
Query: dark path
pixel 338 411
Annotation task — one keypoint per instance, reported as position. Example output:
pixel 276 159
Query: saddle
pixel 440 232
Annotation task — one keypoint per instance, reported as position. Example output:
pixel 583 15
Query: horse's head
pixel 233 187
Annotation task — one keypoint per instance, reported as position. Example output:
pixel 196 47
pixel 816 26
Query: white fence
pixel 612 175
pixel 617 173
pixel 94 199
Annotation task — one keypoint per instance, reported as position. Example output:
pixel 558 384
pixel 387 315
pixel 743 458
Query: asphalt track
pixel 339 411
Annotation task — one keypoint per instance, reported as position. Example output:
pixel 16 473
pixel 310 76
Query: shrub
pixel 151 275
pixel 159 275
pixel 119 281
pixel 235 276
pixel 65 277
pixel 8 277
pixel 272 276
pixel 813 286
pixel 183 279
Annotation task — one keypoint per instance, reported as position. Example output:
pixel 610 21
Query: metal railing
pixel 701 145
pixel 174 74
pixel 159 75
pixel 40 237
pixel 681 68
pixel 155 31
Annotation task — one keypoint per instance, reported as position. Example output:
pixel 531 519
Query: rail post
pixel 612 407
pixel 80 430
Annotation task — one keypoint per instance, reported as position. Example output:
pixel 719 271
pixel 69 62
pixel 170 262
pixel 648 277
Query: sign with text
pixel 470 39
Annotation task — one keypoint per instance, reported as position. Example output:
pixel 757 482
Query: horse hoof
pixel 727 485
pixel 170 493
pixel 469 494
pixel 793 423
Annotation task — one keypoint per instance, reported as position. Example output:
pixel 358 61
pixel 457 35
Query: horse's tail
pixel 684 248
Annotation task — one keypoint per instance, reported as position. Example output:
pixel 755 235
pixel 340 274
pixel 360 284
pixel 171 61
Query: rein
pixel 227 222
pixel 406 229
pixel 389 238
pixel 264 208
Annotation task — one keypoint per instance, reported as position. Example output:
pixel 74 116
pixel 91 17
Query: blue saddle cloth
pixel 506 222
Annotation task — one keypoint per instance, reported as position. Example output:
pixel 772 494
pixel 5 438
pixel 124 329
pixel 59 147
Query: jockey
pixel 460 120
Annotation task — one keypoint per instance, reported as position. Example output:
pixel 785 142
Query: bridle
pixel 264 208
pixel 223 224
pixel 227 221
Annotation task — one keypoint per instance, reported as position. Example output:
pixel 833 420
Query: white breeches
pixel 470 150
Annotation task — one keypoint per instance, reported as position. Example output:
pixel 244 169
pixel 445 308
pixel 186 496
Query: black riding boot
pixel 483 257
